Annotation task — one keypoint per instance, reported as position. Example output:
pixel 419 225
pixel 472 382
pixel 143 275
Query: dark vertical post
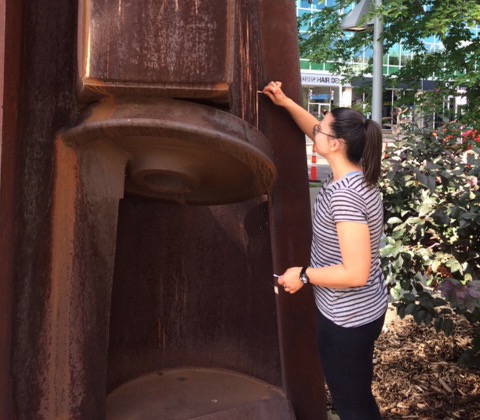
pixel 10 50
pixel 290 213
pixel 41 101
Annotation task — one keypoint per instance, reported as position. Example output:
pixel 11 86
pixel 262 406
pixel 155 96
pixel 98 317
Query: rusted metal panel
pixel 199 393
pixel 190 285
pixel 46 102
pixel 180 151
pixel 248 66
pixel 180 49
pixel 10 53
pixel 200 293
pixel 290 213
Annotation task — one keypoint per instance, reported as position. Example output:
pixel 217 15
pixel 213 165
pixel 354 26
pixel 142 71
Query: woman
pixel 349 287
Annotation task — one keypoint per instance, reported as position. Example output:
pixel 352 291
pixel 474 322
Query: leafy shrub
pixel 431 255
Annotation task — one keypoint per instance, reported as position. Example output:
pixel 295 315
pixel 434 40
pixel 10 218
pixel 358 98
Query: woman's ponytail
pixel 372 152
pixel 363 140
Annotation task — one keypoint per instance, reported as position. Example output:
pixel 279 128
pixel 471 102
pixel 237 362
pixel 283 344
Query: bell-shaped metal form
pixel 181 151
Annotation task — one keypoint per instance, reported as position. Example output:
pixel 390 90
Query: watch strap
pixel 303 275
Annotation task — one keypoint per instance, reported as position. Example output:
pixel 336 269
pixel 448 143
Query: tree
pixel 454 67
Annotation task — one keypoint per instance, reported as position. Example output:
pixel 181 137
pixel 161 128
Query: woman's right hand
pixel 300 115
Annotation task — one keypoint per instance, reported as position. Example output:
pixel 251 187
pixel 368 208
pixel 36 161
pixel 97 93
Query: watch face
pixel 303 276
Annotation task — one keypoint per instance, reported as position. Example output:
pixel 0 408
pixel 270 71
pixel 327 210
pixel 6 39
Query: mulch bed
pixel 417 377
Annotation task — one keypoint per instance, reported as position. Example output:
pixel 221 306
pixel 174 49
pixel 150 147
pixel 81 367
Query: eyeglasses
pixel 316 130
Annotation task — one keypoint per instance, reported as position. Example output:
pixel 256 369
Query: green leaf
pixel 410 309
pixel 394 220
pixel 439 302
pixel 425 209
pixel 438 324
pixel 470 216
pixel 454 265
pixel 447 327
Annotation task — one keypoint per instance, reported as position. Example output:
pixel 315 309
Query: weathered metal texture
pixel 10 52
pixel 180 151
pixel 248 66
pixel 42 102
pixel 163 48
pixel 87 185
pixel 198 393
pixel 201 293
pixel 290 213
pixel 108 288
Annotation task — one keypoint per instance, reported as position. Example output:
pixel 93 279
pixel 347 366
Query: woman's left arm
pixel 354 242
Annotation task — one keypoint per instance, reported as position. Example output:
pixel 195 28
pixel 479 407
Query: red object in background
pixel 469 136
pixel 313 169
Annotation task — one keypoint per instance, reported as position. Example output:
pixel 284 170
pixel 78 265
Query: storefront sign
pixel 315 79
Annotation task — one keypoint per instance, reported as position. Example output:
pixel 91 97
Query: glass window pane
pixel 305 25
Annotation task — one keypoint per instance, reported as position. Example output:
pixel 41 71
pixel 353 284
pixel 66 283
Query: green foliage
pixel 430 184
pixel 325 42
pixel 453 66
pixel 431 255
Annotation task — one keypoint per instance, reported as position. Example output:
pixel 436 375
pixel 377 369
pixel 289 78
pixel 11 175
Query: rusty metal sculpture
pixel 142 214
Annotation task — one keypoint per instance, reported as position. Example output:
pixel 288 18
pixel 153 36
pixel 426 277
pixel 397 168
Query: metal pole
pixel 377 75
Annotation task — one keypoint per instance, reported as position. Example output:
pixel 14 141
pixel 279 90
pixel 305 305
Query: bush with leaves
pixel 431 254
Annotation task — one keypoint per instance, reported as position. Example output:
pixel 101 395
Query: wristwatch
pixel 303 276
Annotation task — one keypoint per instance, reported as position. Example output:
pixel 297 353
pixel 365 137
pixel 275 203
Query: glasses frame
pixel 316 130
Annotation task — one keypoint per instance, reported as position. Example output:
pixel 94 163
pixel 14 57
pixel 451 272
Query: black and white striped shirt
pixel 348 200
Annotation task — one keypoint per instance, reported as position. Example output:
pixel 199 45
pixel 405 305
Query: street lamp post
pixel 377 74
pixel 353 22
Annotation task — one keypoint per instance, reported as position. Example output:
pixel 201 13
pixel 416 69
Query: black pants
pixel 346 355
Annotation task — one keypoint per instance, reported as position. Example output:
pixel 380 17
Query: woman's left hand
pixel 290 280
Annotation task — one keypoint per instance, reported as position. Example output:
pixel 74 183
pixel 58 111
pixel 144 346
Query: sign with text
pixel 316 79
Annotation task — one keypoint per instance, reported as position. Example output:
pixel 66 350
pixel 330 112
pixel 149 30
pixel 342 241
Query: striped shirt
pixel 348 200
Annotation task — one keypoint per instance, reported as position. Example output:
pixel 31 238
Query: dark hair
pixel 363 141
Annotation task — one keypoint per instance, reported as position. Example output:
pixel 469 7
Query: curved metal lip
pixel 181 151
pixel 181 391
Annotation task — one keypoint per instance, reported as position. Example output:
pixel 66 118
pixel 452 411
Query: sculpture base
pixel 197 394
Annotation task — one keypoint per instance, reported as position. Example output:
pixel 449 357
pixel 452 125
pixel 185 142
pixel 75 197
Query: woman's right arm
pixel 300 115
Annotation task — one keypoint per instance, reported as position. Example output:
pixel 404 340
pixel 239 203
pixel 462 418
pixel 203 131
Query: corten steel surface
pixel 198 393
pixel 290 213
pixel 163 48
pixel 38 104
pixel 10 51
pixel 199 294
pixel 180 151
pixel 111 283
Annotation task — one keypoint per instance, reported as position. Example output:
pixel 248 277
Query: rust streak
pixel 63 221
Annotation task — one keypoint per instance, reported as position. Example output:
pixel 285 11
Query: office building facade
pixel 323 89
